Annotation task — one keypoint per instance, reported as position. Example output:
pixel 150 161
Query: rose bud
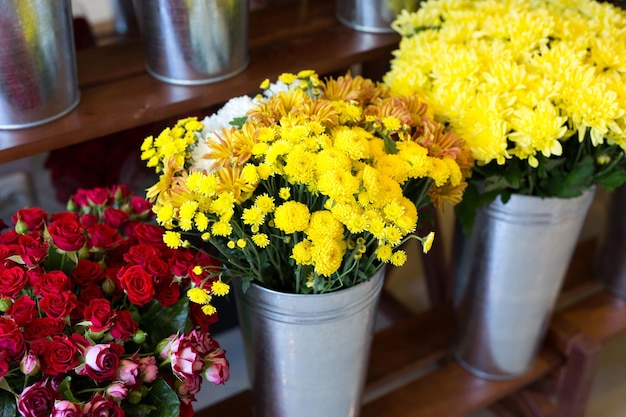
pixel 117 391
pixel 29 365
pixel 21 227
pixel 139 336
pixel 5 304
pixel 108 286
pixel 134 397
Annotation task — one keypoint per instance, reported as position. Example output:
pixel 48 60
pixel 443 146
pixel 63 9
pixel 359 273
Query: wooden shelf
pixel 118 94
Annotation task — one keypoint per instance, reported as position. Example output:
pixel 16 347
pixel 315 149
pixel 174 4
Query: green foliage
pixel 162 322
pixel 8 404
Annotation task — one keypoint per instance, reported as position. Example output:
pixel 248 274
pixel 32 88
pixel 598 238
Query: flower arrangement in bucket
pixel 309 188
pixel 94 318
pixel 535 89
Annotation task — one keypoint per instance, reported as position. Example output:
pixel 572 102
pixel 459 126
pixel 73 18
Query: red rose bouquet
pixel 94 318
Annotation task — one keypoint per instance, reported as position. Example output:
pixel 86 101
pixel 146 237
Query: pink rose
pixel 66 408
pixel 12 281
pixel 100 405
pixel 102 361
pixel 218 368
pixel 11 339
pixel 128 373
pixel 67 234
pixel 186 389
pixel 117 391
pixel 148 369
pixel 30 365
pixel 185 360
pixel 37 400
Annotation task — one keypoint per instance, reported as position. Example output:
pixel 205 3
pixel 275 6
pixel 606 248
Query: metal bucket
pixel 611 263
pixel 511 271
pixel 38 79
pixel 192 42
pixel 373 16
pixel 307 355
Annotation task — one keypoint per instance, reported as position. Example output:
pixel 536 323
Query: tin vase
pixel 510 272
pixel 191 42
pixel 38 78
pixel 611 260
pixel 373 16
pixel 307 355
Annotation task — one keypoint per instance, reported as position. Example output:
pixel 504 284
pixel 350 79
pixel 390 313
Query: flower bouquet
pixel 535 88
pixel 94 318
pixel 308 188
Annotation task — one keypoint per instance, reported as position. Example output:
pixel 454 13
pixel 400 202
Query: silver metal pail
pixel 38 79
pixel 307 355
pixel 611 261
pixel 511 270
pixel 373 16
pixel 192 42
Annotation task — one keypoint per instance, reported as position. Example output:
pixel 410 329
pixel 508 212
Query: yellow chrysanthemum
pixel 291 216
pixel 261 240
pixel 220 288
pixel 172 239
pixel 199 295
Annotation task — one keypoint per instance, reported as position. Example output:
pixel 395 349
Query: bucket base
pixel 363 28
pixel 201 81
pixel 42 121
pixel 487 375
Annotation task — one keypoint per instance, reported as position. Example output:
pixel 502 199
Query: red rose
pixel 140 206
pixel 102 361
pixel 115 217
pixel 33 217
pixel 199 319
pixel 4 366
pixel 67 234
pixel 9 237
pixel 100 405
pixel 141 254
pixel 11 339
pixel 137 284
pixel 90 292
pixel 158 268
pixel 53 281
pixel 63 215
pixel 58 305
pixel 31 249
pixel 89 220
pixel 104 237
pixel 120 192
pixel 98 312
pixel 167 292
pixel 23 311
pixel 181 261
pixel 124 327
pixel 98 196
pixel 12 281
pixel 87 272
pixel 36 400
pixel 148 233
pixel 60 356
pixel 43 327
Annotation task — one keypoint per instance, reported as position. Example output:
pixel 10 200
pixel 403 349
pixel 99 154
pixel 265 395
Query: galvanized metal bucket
pixel 611 262
pixel 38 79
pixel 373 16
pixel 307 355
pixel 511 270
pixel 192 42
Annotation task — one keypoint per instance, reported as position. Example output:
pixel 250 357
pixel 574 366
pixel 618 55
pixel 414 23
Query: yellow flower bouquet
pixel 309 187
pixel 536 88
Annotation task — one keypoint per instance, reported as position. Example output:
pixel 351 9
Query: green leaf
pixel 8 404
pixel 165 400
pixel 238 122
pixel 163 322
pixel 66 389
pixel 612 180
pixel 390 146
pixel 575 181
pixel 139 410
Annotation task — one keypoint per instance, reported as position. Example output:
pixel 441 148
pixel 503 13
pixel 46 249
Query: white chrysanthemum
pixel 235 107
